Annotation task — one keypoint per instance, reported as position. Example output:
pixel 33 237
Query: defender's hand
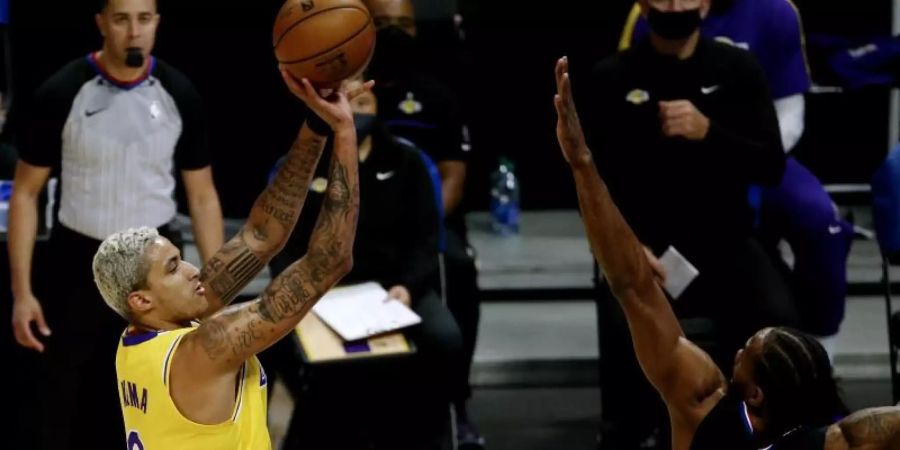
pixel 568 126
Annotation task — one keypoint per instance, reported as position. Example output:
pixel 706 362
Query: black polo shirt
pixel 397 234
pixel 424 110
pixel 672 191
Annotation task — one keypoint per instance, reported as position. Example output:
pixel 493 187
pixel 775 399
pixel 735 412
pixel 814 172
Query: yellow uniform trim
pixel 628 31
pixel 802 37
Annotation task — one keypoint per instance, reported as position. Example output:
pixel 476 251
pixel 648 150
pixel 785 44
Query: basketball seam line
pixel 295 24
pixel 332 48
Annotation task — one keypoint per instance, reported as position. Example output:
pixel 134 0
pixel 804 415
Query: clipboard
pixel 319 344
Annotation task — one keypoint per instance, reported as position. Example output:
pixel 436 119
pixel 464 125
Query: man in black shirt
pixel 424 110
pixel 682 126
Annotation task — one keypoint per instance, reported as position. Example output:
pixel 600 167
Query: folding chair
pixel 442 249
pixel 886 215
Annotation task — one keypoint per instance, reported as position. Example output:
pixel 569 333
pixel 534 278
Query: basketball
pixel 325 41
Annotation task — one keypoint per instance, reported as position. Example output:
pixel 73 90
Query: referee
pixel 114 126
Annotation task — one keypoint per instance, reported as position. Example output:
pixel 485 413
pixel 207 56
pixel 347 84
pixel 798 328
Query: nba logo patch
pixel 155 110
pixel 262 377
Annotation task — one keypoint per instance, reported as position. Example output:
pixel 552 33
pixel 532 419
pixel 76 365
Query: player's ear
pixel 140 301
pixel 101 23
pixel 756 396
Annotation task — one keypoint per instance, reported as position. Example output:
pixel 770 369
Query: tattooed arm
pixel 276 210
pixel 271 222
pixel 205 363
pixel 869 429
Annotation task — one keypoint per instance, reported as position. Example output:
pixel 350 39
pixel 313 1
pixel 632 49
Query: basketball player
pixel 189 385
pixel 782 394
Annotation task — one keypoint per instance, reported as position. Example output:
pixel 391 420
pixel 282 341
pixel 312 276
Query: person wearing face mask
pixel 115 126
pixel 798 210
pixel 681 127
pixel 397 246
pixel 424 110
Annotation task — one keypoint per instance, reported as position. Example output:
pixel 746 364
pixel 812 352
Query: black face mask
pixel 134 58
pixel 674 25
pixel 395 52
pixel 365 125
pixel 720 6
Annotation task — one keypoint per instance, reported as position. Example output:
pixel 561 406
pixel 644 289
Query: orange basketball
pixel 325 41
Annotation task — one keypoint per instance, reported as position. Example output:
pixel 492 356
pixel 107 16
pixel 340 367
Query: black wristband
pixel 316 124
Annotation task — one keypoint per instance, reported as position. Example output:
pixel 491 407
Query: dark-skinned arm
pixel 682 373
pixel 869 429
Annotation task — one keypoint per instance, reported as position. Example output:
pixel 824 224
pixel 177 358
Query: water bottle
pixel 5 193
pixel 505 199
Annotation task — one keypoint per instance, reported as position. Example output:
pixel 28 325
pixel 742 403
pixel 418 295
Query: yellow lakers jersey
pixel 152 422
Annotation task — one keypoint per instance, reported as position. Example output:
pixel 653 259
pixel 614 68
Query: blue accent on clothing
pixel 91 58
pixel 135 339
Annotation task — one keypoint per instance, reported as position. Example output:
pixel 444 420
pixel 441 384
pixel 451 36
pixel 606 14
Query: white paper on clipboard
pixel 361 311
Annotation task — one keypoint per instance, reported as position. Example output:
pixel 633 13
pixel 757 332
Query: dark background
pixel 503 75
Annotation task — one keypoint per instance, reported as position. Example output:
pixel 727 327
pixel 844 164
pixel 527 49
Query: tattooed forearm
pixel 339 194
pixel 231 336
pixel 232 268
pixel 873 428
pixel 292 293
pixel 286 296
pixel 284 198
pixel 271 222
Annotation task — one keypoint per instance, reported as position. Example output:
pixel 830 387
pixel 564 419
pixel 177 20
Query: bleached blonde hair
pixel 120 266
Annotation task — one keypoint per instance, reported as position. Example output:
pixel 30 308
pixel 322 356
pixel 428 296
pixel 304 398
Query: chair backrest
pixel 886 204
pixel 437 184
pixel 895 330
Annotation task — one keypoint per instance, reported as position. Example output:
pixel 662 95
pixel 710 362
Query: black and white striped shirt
pixel 116 145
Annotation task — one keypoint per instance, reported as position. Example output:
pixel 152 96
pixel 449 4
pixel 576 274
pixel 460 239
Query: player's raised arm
pixel 277 209
pixel 224 341
pixel 677 369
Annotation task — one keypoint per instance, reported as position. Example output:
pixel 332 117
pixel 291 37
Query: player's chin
pixel 200 304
